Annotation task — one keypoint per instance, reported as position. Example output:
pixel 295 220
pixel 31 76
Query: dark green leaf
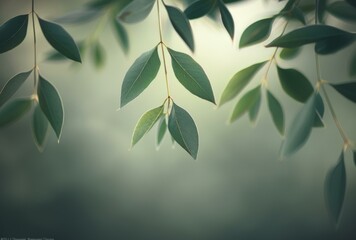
pixel 342 10
pixel 136 11
pixel 181 25
pixel 335 188
pixel 13 32
pixel 295 84
pixel 276 110
pixel 256 32
pixel 319 108
pixel 39 127
pixel 162 129
pixel 299 131
pixel 289 53
pixel 239 81
pixel 288 7
pixel 294 14
pixel 145 123
pixel 79 16
pixel 254 109
pixel 199 8
pixel 352 67
pixel 12 86
pixel 348 90
pixel 352 3
pixel 60 39
pixel 245 103
pixel 183 130
pixel 306 35
pixel 51 105
pixel 14 110
pixel 321 9
pixel 122 36
pixel 227 19
pixel 98 53
pixel 140 75
pixel 333 44
pixel 191 75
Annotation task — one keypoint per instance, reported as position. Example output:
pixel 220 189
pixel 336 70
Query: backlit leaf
pixel 60 39
pixel 181 25
pixel 98 53
pixel 79 16
pixel 335 188
pixel 254 109
pixel 183 130
pixel 14 110
pixel 348 90
pixel 122 36
pixel 13 32
pixel 12 86
pixel 162 129
pixel 39 127
pixel 136 11
pixel 295 84
pixel 199 8
pixel 299 131
pixel 191 75
pixel 239 81
pixel 140 75
pixel 227 19
pixel 276 110
pixel 245 103
pixel 51 105
pixel 256 32
pixel 145 123
pixel 289 53
pixel 342 10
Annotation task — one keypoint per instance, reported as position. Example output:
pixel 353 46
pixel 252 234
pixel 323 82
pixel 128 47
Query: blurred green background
pixel 91 186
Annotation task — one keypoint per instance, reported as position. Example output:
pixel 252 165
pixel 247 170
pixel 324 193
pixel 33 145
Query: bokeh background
pixel 93 186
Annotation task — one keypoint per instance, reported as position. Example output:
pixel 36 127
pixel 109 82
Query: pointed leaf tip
pixel 227 19
pixel 39 127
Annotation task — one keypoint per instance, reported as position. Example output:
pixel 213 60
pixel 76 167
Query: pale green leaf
pixel 79 16
pixel 122 36
pixel 98 54
pixel 276 110
pixel 13 32
pixel 256 32
pixel 289 53
pixel 254 109
pixel 136 11
pixel 162 129
pixel 245 103
pixel 39 127
pixel 14 110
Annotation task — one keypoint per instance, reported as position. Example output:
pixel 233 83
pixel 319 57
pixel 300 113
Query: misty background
pixel 93 186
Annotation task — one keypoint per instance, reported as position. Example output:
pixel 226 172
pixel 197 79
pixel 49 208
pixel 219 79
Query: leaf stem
pixel 34 45
pixel 162 49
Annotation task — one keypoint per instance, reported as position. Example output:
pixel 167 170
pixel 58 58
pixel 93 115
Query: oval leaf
pixel 289 53
pixel 335 188
pixel 39 127
pixel 306 35
pixel 342 10
pixel 136 11
pixel 227 19
pixel 256 32
pixel 60 39
pixel 183 130
pixel 122 36
pixel 140 75
pixel 276 110
pixel 145 123
pixel 162 129
pixel 300 129
pixel 51 105
pixel 254 109
pixel 199 8
pixel 14 110
pixel 246 103
pixel 13 32
pixel 334 44
pixel 181 25
pixel 98 53
pixel 295 84
pixel 348 90
pixel 191 75
pixel 12 86
pixel 239 81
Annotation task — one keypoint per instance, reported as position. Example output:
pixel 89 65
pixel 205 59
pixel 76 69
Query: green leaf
pixel 321 9
pixel 227 19
pixel 276 110
pixel 199 8
pixel 348 90
pixel 140 75
pixel 183 130
pixel 294 14
pixel 342 10
pixel 13 32
pixel 162 129
pixel 136 11
pixel 12 86
pixel 256 32
pixel 122 36
pixel 191 75
pixel 352 3
pixel 246 103
pixel 319 109
pixel 51 105
pixel 300 129
pixel 60 39
pixel 352 67
pixel 14 110
pixel 39 127
pixel 289 53
pixel 181 25
pixel 335 188
pixel 254 109
pixel 295 84
pixel 98 53
pixel 333 44
pixel 239 82
pixel 354 157
pixel 145 123
pixel 79 16
pixel 306 35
